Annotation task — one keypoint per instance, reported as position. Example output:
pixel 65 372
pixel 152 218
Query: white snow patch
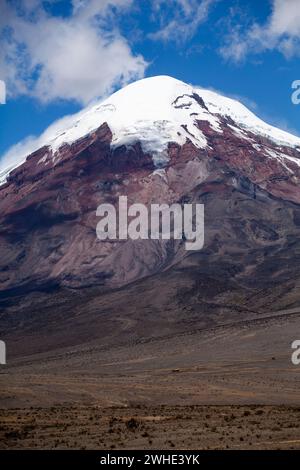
pixel 257 147
pixel 161 172
pixel 43 159
pixel 240 133
pixel 4 173
pixel 282 156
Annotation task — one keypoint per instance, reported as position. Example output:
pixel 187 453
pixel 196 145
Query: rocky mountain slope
pixel 156 141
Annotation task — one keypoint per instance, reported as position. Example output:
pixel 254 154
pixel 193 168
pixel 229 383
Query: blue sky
pixel 57 56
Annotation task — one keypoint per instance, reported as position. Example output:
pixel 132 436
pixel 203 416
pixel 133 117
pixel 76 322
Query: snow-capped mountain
pixel 156 111
pixel 158 140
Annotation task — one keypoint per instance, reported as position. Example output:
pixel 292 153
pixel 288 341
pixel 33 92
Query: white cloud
pixel 280 32
pixel 184 20
pixel 285 18
pixel 76 57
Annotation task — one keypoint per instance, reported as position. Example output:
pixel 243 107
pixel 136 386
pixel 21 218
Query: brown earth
pixel 169 342
pixel 192 384
pixel 151 427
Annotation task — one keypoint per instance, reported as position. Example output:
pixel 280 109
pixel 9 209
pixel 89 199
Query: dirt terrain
pixel 117 354
pixel 225 386
pixel 181 363
pixel 152 427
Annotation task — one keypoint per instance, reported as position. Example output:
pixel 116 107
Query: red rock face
pixel 48 208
